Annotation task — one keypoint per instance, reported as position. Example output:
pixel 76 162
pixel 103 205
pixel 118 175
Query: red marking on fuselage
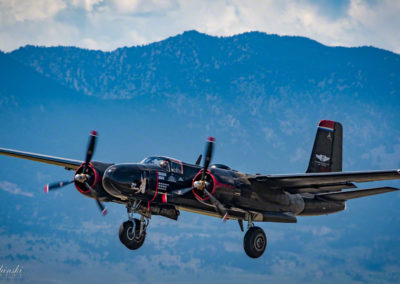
pixel 164 198
pixel 223 185
pixel 155 195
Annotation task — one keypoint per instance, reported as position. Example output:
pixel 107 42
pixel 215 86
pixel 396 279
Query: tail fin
pixel 326 155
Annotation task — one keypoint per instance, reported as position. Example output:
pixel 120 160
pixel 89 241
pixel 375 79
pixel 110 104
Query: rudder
pixel 326 155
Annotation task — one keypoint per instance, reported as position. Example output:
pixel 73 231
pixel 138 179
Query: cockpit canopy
pixel 167 164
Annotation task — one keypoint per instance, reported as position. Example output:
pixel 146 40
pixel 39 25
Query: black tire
pixel 129 234
pixel 254 242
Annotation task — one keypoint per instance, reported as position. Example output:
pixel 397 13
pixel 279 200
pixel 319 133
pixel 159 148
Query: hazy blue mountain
pixel 260 95
pixel 199 64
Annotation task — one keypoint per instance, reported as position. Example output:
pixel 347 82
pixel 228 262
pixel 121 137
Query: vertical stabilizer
pixel 326 155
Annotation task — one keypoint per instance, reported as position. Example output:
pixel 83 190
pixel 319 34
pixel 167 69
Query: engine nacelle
pixel 316 206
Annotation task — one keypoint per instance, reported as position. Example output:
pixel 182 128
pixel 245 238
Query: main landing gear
pixel 132 233
pixel 255 240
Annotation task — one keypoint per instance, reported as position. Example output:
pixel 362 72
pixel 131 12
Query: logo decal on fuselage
pixel 322 157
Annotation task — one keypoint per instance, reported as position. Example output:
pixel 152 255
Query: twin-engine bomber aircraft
pixel 163 186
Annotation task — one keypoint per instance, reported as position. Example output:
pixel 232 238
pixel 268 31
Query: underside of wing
pixel 67 163
pixel 321 182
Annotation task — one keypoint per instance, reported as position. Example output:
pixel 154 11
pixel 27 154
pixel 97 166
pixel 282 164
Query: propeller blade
pixel 208 155
pixel 218 205
pixel 198 161
pixel 90 149
pixel 182 191
pixel 99 204
pixel 101 207
pixel 56 185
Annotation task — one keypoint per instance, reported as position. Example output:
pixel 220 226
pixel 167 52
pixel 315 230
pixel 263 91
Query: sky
pixel 109 24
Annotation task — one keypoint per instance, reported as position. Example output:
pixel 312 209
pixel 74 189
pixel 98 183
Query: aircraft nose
pixel 120 179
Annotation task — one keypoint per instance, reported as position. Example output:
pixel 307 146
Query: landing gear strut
pixel 255 240
pixel 132 233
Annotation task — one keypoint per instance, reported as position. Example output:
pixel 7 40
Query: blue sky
pixel 109 24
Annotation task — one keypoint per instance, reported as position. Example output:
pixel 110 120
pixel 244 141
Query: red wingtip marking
pixel 164 198
pixel 46 188
pixel 104 212
pixel 93 133
pixel 225 218
pixel 211 139
pixel 327 123
pixel 398 171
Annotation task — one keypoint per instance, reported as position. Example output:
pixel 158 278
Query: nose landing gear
pixel 132 233
pixel 255 240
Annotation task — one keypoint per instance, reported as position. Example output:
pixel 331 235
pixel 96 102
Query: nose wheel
pixel 132 233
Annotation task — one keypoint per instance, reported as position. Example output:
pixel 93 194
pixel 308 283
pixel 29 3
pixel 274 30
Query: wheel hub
pixel 130 233
pixel 259 243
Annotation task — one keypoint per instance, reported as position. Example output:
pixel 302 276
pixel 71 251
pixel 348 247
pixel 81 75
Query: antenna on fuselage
pixel 199 160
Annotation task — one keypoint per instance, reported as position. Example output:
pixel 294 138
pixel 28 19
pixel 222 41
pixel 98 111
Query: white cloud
pixel 26 10
pixel 300 155
pixel 13 189
pixel 383 158
pixel 125 6
pixel 108 24
pixel 86 4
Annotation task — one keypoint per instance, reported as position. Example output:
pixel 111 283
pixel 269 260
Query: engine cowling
pixel 210 185
pixel 94 178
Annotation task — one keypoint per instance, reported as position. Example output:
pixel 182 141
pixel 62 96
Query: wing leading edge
pixel 67 163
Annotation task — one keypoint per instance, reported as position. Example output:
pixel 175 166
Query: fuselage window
pixel 162 163
pixel 176 167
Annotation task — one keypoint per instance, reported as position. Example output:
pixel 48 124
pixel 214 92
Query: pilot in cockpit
pixel 164 165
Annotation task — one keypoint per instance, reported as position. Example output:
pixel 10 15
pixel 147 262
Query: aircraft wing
pixel 67 163
pixel 321 182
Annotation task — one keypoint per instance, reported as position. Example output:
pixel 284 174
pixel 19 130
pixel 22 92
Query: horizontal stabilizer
pixel 294 182
pixel 343 196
